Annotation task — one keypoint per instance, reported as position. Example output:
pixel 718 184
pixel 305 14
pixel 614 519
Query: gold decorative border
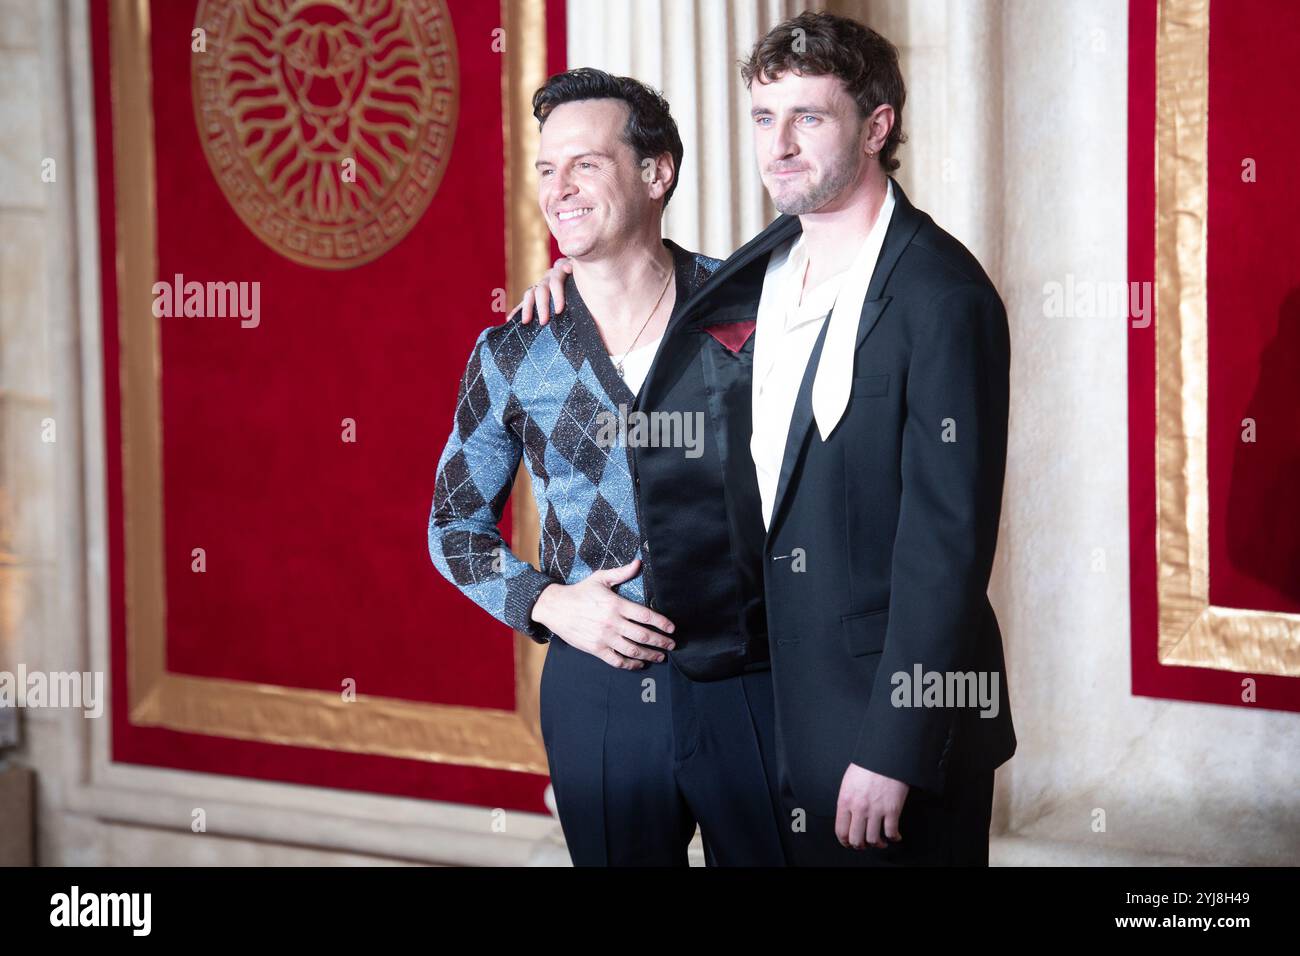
pixel 1193 632
pixel 481 737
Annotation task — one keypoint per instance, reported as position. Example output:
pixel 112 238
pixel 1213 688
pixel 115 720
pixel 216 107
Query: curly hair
pixel 821 44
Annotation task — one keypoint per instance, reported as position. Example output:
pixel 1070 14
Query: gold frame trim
pixel 480 737
pixel 1192 632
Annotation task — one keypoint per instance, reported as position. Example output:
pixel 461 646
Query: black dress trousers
pixel 639 757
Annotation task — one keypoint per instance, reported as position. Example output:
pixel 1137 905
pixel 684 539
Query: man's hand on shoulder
pixel 553 281
pixel 869 808
pixel 591 617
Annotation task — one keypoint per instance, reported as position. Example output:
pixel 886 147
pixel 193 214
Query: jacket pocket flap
pixel 864 633
pixel 871 384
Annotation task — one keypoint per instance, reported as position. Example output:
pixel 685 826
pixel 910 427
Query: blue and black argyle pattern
pixel 536 393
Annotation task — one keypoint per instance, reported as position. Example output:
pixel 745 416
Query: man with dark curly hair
pixel 862 475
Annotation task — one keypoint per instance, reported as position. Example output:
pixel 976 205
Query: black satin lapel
pixel 778 231
pixel 904 222
pixel 800 422
pixel 729 313
pixel 728 380
pixel 871 310
pixel 689 278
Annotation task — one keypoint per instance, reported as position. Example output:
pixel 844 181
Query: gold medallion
pixel 327 123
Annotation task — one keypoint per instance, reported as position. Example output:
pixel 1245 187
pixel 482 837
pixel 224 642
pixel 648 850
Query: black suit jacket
pixel 882 536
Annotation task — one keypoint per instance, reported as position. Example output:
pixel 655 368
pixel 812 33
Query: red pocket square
pixel 732 335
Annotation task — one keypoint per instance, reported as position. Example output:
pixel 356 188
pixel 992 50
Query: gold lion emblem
pixel 327 123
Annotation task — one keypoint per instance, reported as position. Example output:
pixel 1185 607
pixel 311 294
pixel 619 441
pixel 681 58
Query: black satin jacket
pixel 701 516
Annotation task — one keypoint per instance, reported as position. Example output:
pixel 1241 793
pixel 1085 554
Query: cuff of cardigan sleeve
pixel 522 592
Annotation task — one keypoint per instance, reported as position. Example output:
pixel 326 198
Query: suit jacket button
pixel 645 545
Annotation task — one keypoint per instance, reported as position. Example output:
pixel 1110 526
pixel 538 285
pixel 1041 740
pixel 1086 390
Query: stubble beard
pixel 836 180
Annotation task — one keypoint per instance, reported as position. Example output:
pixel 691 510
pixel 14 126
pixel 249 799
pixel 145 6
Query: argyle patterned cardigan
pixel 537 393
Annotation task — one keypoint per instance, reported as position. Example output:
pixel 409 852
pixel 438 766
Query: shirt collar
pixel 834 378
pixel 816 303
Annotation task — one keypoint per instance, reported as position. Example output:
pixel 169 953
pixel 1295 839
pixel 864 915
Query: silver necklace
pixel 618 364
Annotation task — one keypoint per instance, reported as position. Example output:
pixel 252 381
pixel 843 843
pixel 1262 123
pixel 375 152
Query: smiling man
pixel 863 472
pixel 641 747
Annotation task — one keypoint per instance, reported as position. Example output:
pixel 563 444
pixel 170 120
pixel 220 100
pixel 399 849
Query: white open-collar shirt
pixel 787 329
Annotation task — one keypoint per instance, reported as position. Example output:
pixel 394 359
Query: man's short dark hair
pixel 650 130
pixel 822 44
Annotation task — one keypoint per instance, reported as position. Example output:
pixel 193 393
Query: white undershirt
pixel 789 322
pixel 781 353
pixel 636 364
